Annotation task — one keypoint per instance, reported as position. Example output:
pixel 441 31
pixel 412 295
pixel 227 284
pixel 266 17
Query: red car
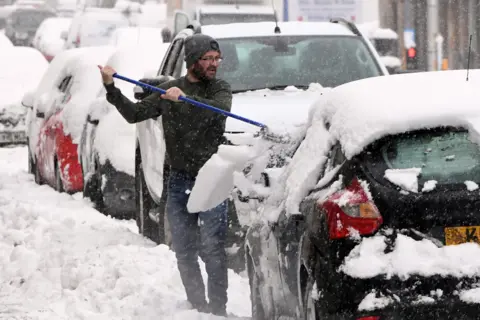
pixel 56 151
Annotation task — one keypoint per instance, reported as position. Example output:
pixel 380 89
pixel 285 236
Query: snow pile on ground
pixel 61 259
pixel 410 257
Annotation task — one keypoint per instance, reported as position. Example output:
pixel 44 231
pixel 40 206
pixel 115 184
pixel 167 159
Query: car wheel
pixel 258 313
pixel 37 174
pixel 58 178
pixel 309 301
pixel 30 161
pixel 144 203
pixel 92 189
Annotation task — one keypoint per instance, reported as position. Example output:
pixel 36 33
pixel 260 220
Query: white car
pixel 22 69
pixel 133 36
pixel 274 77
pixel 59 108
pixel 93 27
pixel 48 38
pixel 107 147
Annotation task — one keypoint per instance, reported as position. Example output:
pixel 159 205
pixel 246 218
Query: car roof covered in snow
pixel 266 29
pixel 232 9
pixel 363 111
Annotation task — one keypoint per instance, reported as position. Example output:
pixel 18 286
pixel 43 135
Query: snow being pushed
pixel 363 111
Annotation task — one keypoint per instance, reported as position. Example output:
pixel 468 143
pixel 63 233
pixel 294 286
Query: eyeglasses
pixel 212 59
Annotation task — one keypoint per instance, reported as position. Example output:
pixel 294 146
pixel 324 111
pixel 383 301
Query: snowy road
pixel 61 259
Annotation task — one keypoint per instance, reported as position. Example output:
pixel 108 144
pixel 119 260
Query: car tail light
pixel 351 211
pixel 369 318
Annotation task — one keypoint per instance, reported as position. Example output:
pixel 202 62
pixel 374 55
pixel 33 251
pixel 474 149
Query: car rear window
pixel 449 157
pixel 275 62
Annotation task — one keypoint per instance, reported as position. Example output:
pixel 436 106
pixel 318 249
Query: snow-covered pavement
pixel 61 259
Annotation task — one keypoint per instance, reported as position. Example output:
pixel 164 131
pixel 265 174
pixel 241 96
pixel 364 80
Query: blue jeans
pixel 201 233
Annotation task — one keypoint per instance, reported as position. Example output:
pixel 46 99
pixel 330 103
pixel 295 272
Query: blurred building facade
pixel 432 21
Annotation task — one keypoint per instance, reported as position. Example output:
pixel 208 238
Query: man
pixel 192 136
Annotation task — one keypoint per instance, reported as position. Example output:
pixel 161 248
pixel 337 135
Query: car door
pixel 263 248
pixel 150 132
pixel 181 21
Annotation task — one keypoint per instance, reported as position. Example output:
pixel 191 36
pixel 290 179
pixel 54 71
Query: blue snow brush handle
pixel 193 102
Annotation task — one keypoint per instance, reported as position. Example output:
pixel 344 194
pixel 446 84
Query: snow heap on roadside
pixel 61 259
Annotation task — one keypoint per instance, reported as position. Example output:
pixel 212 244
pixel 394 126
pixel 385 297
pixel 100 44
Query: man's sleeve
pixel 134 112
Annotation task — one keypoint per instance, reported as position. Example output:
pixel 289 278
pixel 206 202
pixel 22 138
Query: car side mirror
pixel 28 99
pixel 40 114
pixel 64 35
pixel 265 179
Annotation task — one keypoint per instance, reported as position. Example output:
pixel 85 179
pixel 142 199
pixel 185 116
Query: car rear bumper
pixel 118 192
pixel 437 297
pixel 447 310
pixel 12 137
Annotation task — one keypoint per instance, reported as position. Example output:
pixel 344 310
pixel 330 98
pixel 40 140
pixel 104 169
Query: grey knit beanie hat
pixel 197 45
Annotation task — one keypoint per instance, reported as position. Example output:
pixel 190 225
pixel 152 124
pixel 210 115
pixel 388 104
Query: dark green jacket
pixel 192 134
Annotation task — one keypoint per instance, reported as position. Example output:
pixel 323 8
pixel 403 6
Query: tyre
pixel 144 204
pixel 37 174
pixel 58 178
pixel 258 312
pixel 92 189
pixel 310 308
pixel 30 161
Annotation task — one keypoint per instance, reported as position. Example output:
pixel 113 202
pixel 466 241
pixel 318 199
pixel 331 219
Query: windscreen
pixel 386 47
pixel 449 157
pixel 209 19
pixel 279 61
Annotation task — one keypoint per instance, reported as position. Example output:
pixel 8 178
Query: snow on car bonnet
pixel 363 111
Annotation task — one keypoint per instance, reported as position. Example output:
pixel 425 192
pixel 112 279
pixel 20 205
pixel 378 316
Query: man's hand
pixel 173 94
pixel 107 74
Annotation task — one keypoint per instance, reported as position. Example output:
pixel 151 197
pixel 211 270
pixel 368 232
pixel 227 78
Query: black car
pixel 295 263
pixel 22 24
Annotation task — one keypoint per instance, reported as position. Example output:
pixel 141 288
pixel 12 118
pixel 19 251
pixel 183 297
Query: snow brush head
pixel 269 135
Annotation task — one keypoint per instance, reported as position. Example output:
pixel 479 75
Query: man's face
pixel 206 67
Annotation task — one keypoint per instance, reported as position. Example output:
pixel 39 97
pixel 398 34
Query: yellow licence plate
pixel 459 235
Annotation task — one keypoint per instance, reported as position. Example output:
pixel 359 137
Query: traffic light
pixel 411 58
